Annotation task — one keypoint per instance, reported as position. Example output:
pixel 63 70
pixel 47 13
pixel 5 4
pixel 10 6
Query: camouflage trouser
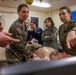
pixel 14 56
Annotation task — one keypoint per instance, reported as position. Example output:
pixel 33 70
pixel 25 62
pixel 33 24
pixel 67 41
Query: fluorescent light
pixel 41 4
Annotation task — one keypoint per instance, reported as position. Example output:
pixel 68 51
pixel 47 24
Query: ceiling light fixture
pixel 41 4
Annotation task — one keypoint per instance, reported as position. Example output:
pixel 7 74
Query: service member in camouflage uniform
pixel 67 31
pixel 67 35
pixel 18 52
pixel 50 34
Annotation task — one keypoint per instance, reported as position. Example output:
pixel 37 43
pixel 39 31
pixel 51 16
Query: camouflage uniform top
pixel 18 52
pixel 63 35
pixel 51 39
